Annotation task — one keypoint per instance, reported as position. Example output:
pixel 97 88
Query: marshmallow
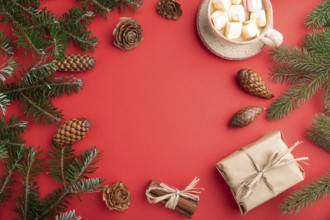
pixel 236 13
pixel 233 30
pixel 219 19
pixel 236 2
pixel 259 17
pixel 223 5
pixel 254 5
pixel 250 30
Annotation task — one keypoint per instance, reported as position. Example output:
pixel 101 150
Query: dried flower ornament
pixel 128 33
pixel 169 9
pixel 117 197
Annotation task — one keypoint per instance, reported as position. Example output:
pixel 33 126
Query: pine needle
pixel 309 194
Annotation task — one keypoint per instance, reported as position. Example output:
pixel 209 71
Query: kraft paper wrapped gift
pixel 261 170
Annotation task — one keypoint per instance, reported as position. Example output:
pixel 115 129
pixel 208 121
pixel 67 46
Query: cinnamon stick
pixel 185 206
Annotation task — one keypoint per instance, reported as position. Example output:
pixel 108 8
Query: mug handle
pixel 272 38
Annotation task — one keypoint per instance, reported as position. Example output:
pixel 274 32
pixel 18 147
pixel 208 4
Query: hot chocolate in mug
pixel 267 35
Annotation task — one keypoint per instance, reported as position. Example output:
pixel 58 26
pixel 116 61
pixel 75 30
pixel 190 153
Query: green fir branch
pixel 326 97
pixel 318 44
pixel 7 70
pixel 320 16
pixel 80 167
pixel 100 7
pixel 31 40
pixel 43 18
pixel 6 45
pixel 77 15
pixel 6 181
pixel 80 36
pixel 29 202
pixel 58 42
pixel 12 129
pixel 294 97
pixel 308 195
pixel 3 152
pixel 11 14
pixel 122 5
pixel 42 111
pixel 71 215
pixel 38 73
pixel 61 157
pixel 86 185
pixel 319 132
pixel 4 102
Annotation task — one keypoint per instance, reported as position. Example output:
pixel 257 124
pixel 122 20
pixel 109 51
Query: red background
pixel 161 112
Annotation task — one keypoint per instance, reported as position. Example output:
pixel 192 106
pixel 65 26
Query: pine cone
pixel 128 33
pixel 169 9
pixel 71 131
pixel 253 83
pixel 117 196
pixel 76 63
pixel 245 116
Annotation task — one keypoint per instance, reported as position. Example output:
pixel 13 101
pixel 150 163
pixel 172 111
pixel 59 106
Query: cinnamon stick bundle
pixel 185 206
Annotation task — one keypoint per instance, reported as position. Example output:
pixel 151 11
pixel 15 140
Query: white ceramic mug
pixel 268 35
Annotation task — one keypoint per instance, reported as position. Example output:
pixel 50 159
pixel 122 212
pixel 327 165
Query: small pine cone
pixel 245 116
pixel 128 33
pixel 76 63
pixel 169 9
pixel 253 83
pixel 71 131
pixel 117 197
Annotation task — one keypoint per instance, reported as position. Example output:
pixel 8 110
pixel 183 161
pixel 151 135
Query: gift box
pixel 183 201
pixel 261 170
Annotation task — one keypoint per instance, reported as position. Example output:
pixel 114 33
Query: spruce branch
pixel 58 42
pixel 326 98
pixel 71 215
pixel 38 73
pixel 7 70
pixel 28 203
pixel 12 129
pixel 77 171
pixel 320 16
pixel 130 4
pixel 309 194
pixel 100 7
pixel 319 132
pixel 11 163
pixel 42 111
pixel 306 67
pixel 4 102
pixel 6 45
pixel 294 97
pixel 61 157
pixel 80 36
pixel 31 40
pixel 77 15
pixel 3 152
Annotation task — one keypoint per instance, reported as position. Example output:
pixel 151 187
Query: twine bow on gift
pixel 172 194
pixel 274 160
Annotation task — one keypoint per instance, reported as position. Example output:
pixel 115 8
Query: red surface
pixel 161 112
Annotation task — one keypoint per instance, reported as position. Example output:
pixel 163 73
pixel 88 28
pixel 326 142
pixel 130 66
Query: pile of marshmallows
pixel 238 18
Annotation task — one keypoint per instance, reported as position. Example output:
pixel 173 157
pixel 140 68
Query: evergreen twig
pixel 71 215
pixel 29 202
pixel 307 68
pixel 309 194
pixel 319 132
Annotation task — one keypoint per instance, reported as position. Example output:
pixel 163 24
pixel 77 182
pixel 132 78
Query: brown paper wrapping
pixel 185 206
pixel 238 166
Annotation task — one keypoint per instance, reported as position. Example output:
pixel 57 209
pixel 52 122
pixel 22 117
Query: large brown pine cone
pixel 253 83
pixel 76 63
pixel 245 116
pixel 128 33
pixel 117 197
pixel 71 131
pixel 169 9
